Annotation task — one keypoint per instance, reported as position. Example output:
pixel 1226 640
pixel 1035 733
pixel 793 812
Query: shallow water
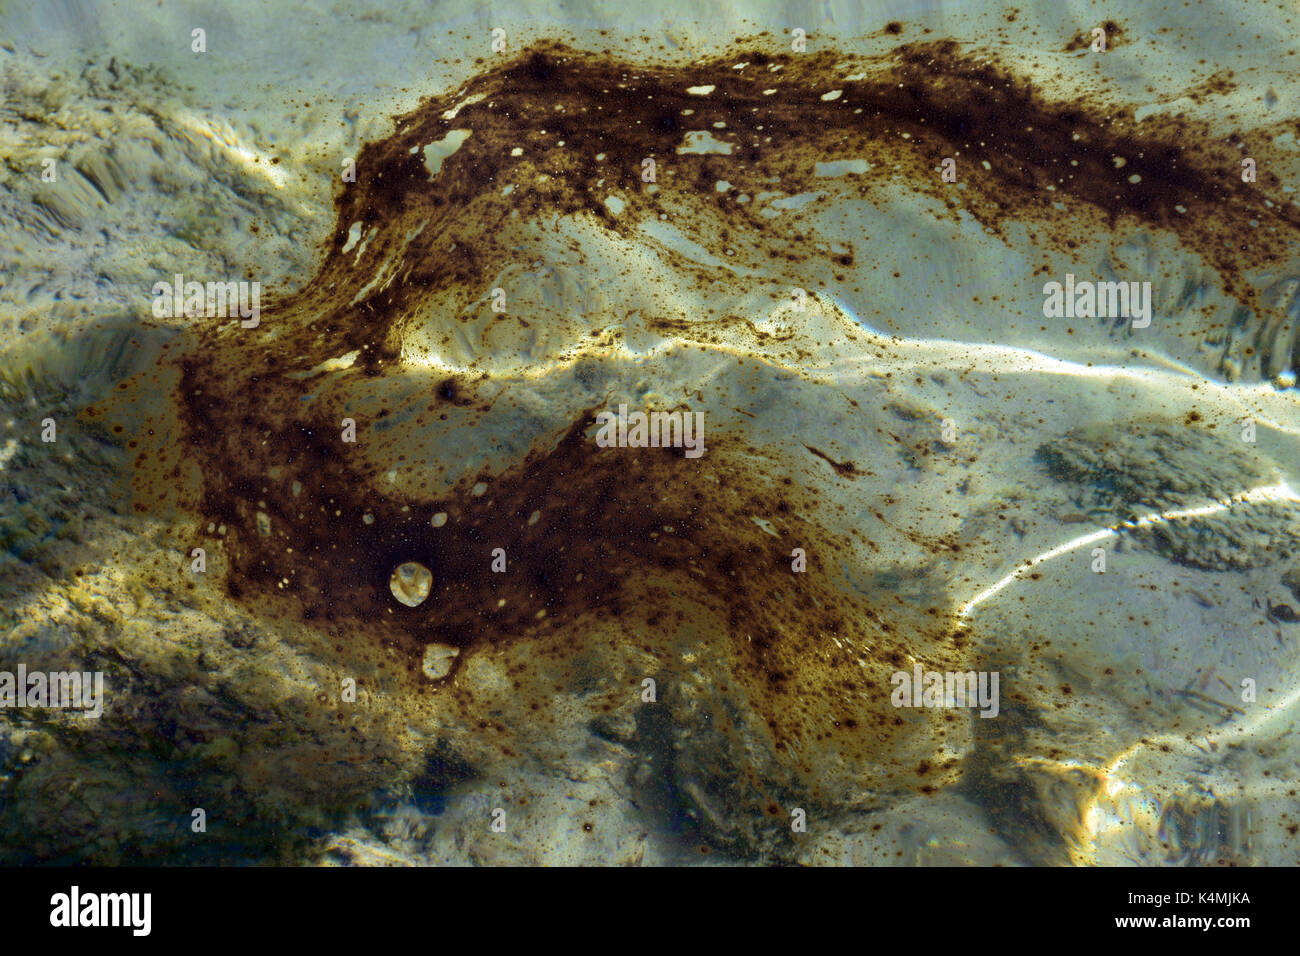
pixel 371 577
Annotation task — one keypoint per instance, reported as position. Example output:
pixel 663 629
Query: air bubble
pixel 410 583
pixel 437 660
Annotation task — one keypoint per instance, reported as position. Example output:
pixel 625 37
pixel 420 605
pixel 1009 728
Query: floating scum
pixel 477 308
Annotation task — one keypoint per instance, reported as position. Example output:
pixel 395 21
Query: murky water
pixel 864 442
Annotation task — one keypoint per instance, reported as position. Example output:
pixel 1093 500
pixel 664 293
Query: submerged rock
pixel 1196 497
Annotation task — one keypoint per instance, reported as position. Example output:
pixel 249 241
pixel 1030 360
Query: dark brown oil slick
pixel 644 544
